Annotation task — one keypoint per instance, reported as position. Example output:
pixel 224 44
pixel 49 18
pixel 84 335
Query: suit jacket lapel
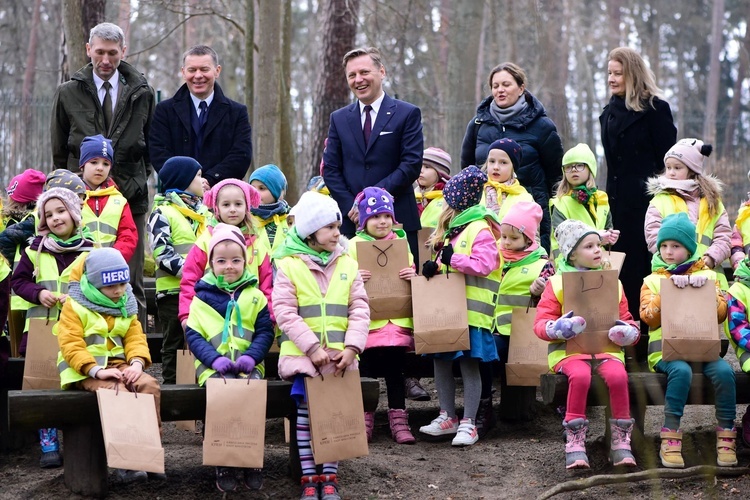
pixel 354 120
pixel 387 110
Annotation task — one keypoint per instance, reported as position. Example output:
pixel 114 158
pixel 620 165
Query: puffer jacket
pixel 292 324
pixel 77 113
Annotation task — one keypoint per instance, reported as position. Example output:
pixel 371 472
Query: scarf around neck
pixel 515 258
pixel 293 245
pixel 503 115
pixel 267 212
pixel 91 298
pixel 657 263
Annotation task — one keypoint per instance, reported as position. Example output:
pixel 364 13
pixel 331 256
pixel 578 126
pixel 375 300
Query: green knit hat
pixel 677 227
pixel 581 153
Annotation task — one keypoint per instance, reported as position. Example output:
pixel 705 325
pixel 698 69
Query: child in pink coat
pixel 230 201
pixel 314 272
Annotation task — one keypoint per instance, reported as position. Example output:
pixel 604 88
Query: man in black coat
pixel 200 122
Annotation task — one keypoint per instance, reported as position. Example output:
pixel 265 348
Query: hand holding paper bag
pixel 566 328
pixel 680 280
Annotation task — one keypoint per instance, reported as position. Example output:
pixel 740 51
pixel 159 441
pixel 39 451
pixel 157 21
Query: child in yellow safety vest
pixel 42 274
pixel 436 171
pixel 684 187
pixel 502 189
pixel 388 340
pixel 577 197
pixel 679 259
pixel 465 240
pixel 580 247
pixel 272 212
pixel 740 233
pixel 177 220
pixel 525 272
pixel 739 328
pixel 321 307
pixel 107 212
pixel 229 329
pixel 102 344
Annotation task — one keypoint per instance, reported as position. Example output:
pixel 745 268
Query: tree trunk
pixel 555 50
pixel 287 161
pixel 123 20
pixel 267 125
pixel 249 54
pixel 734 109
pixel 714 77
pixel 74 43
pixel 30 72
pixel 338 28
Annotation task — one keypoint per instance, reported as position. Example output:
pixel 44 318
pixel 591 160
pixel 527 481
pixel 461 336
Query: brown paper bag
pixel 613 260
pixel 441 321
pixel 186 375
pixel 16 323
pixel 389 296
pixel 40 367
pixel 595 296
pixel 131 430
pixel 688 322
pixel 527 353
pixel 235 422
pixel 337 417
pixel 425 251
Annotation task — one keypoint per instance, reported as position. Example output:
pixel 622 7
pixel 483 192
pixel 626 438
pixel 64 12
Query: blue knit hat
pixel 272 177
pixel 178 172
pixel 677 227
pixel 96 146
pixel 464 190
pixel 512 148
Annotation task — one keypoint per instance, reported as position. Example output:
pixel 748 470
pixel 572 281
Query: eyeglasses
pixel 575 167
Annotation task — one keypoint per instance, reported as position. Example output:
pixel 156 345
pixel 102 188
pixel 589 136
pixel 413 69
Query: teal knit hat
pixel 677 227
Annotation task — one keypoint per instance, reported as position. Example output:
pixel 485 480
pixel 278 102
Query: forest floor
pixel 515 460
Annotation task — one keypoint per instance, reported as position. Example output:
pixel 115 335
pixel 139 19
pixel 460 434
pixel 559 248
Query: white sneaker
pixel 441 426
pixel 467 434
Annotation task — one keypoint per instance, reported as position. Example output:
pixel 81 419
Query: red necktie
pixel 368 124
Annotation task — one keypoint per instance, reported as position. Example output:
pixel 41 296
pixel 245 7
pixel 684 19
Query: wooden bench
pixel 77 414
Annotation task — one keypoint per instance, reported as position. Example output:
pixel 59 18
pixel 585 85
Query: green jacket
pixel 77 113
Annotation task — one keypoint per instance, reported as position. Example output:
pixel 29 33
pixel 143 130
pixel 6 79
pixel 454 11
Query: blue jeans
pixel 679 377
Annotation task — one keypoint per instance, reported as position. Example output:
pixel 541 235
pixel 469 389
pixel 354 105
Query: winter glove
pixel 697 281
pixel 623 334
pixel 429 269
pixel 680 280
pixel 222 365
pixel 244 364
pixel 565 328
pixel 537 286
pixel 446 254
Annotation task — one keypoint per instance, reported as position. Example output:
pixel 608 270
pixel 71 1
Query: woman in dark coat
pixel 512 112
pixel 637 131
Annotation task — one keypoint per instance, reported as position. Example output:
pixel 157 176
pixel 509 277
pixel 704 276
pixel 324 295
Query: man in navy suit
pixel 200 122
pixel 377 141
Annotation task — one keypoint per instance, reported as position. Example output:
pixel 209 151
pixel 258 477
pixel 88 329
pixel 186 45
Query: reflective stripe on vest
pixel 481 292
pixel 16 302
pixel 666 206
pixel 514 292
pixel 327 317
pixel 653 282
pixel 565 208
pixel 183 236
pixel 104 227
pixel 209 323
pixel 50 279
pixel 556 350
pixel 96 334
pixel 741 293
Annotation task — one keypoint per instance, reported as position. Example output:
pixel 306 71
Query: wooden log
pixel 85 459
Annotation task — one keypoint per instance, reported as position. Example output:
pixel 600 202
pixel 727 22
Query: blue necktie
pixel 203 117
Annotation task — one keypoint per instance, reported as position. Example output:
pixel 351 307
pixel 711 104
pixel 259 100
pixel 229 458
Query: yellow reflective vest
pixel 184 235
pixel 668 204
pixel 327 316
pixel 104 226
pixel 565 208
pixel 256 253
pixel 514 292
pixel 101 343
pixel 16 302
pixel 431 213
pixel 282 229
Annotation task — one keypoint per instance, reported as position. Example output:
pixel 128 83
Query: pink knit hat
pixel 26 187
pixel 252 196
pixel 439 160
pixel 525 216
pixel 71 201
pixel 691 152
pixel 225 232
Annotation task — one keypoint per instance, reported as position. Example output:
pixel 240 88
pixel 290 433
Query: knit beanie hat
pixel 225 232
pixel 105 267
pixel 569 234
pixel 96 146
pixel 64 178
pixel 512 148
pixel 526 217
pixel 272 177
pixel 178 172
pixel 581 153
pixel 464 189
pixel 439 160
pixel 71 201
pixel 313 211
pixel 373 201
pixel 691 152
pixel 252 196
pixel 26 187
pixel 677 227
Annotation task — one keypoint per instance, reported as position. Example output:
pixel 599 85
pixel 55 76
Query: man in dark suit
pixel 377 141
pixel 200 122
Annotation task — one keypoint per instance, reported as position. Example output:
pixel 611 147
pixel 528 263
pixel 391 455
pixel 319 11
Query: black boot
pixel 485 417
